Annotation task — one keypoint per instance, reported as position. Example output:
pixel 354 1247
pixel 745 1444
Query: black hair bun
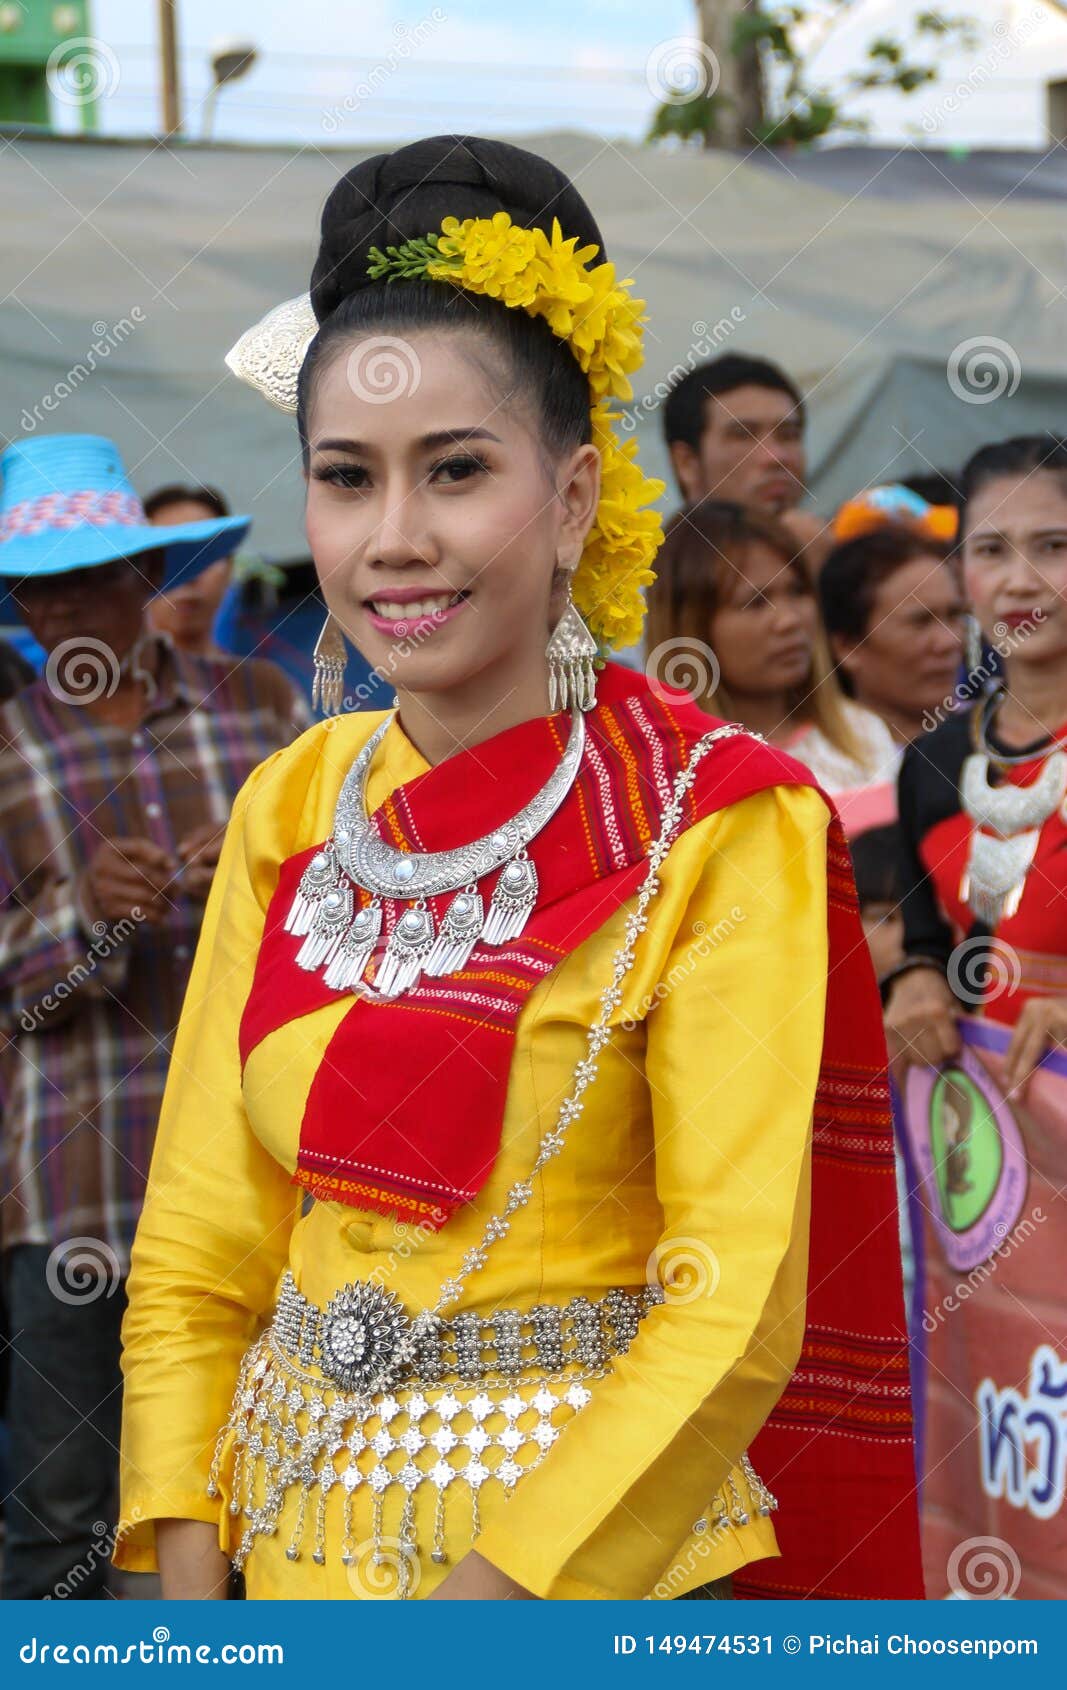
pixel 393 197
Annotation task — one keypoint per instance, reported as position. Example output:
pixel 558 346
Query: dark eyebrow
pixel 440 437
pixel 993 532
pixel 755 424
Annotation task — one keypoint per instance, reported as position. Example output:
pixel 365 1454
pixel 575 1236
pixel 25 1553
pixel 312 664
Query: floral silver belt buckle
pixel 365 1337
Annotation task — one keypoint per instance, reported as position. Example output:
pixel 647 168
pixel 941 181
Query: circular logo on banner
pixel 968 1155
pixel 971 1156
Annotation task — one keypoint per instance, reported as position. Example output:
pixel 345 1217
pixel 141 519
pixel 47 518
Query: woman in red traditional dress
pixel 983 798
pixel 983 819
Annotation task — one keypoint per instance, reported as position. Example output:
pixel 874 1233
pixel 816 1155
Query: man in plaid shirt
pixel 118 769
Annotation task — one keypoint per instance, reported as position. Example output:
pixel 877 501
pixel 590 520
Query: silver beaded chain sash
pixel 340 939
pixel 394 1396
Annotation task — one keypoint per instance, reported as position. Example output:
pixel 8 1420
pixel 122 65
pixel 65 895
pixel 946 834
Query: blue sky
pixel 381 71
pixel 395 70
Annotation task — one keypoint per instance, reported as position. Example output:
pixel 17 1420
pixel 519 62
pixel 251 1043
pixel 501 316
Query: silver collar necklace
pixel 1007 821
pixel 339 938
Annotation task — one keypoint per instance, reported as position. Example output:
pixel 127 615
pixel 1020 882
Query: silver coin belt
pixel 469 1347
pixel 461 1399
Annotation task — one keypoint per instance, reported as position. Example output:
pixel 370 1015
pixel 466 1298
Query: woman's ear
pixel 685 463
pixel 578 486
pixel 842 651
pixel 151 567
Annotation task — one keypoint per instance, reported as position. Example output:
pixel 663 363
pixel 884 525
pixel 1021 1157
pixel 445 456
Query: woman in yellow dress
pixel 476 1247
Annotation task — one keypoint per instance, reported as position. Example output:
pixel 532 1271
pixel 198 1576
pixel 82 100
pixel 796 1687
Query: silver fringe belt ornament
pixel 381 1374
pixel 1008 821
pixel 485 1390
pixel 340 938
pixel 461 1397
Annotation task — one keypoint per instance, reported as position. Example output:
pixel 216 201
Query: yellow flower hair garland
pixel 585 306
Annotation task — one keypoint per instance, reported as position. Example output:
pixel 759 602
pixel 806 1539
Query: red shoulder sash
pixel 419 1137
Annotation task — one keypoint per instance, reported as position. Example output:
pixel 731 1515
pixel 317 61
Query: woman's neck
pixel 1034 702
pixel 198 645
pixel 775 715
pixel 440 724
pixel 904 725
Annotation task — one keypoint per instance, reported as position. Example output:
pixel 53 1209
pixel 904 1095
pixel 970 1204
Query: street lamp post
pixel 168 67
pixel 230 60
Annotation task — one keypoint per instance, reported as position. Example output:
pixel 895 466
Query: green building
pixel 49 58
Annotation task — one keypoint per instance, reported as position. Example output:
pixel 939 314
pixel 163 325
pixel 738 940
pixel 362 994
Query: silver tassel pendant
pixel 333 914
pixel 319 877
pixel 328 666
pixel 572 682
pixel 511 905
pixel 355 950
pixel 570 652
pixel 410 943
pixel 461 927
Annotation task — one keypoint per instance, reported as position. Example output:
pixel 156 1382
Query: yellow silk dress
pixel 690 1163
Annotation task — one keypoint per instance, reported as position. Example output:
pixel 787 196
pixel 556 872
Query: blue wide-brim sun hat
pixel 66 502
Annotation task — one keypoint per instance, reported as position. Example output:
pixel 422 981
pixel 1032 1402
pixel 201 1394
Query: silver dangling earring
pixel 570 651
pixel 328 661
pixel 974 644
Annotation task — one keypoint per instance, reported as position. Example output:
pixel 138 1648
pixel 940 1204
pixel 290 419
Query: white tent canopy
pixel 134 268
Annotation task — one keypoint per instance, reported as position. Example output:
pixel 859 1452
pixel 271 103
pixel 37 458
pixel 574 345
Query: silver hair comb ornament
pixel 269 355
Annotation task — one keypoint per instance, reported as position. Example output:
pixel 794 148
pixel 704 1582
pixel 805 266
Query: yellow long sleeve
pixel 732 1061
pixel 215 1229
pixel 693 1144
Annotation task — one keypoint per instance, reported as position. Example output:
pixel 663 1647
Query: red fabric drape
pixel 837 1450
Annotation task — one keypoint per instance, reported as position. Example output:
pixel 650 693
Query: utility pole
pixel 168 67
pixel 739 96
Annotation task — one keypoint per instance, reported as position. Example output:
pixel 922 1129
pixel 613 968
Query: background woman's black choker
pixel 984 738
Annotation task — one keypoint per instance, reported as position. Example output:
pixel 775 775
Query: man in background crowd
pixel 14 670
pixel 119 767
pixel 188 612
pixel 734 429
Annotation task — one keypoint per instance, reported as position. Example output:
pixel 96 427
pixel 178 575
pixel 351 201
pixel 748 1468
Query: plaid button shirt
pixel 87 1012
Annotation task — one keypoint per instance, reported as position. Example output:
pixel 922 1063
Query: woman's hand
pixel 192 1567
pixel 921 1020
pixel 476 1580
pixel 1042 1025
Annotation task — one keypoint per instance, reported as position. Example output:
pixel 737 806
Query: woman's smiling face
pixel 435 517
